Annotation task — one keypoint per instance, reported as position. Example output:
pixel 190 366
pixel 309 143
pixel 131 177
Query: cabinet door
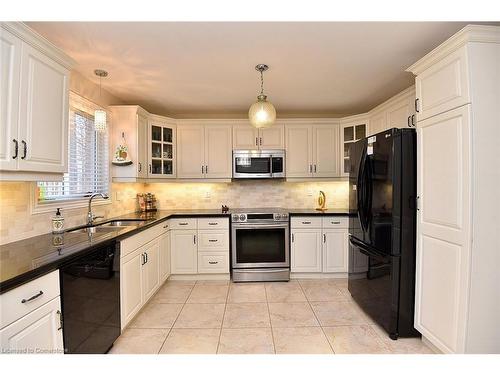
pixel 142 141
pixel 306 250
pixel 298 150
pixel 245 137
pixel 378 123
pixel 272 138
pixel 164 257
pixel 38 332
pixel 218 153
pixel 398 114
pixel 184 252
pixel 349 133
pixel 161 150
pixel 151 269
pixel 326 151
pixel 9 98
pixel 131 289
pixel 443 86
pixel 43 125
pixel 190 151
pixel 335 250
pixel 443 228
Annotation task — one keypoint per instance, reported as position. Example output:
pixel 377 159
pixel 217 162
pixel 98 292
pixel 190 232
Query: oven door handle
pixel 259 226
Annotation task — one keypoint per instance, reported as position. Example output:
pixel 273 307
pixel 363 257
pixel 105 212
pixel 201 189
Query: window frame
pixel 82 104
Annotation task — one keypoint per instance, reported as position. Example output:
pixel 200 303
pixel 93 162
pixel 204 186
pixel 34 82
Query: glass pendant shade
pixel 100 120
pixel 262 113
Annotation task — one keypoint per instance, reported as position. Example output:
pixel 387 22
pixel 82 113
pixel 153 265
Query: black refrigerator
pixel 382 228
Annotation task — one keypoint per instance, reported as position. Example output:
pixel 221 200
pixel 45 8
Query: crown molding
pixel 470 33
pixel 31 37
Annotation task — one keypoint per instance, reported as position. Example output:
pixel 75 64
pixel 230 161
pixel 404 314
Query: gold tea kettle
pixel 321 201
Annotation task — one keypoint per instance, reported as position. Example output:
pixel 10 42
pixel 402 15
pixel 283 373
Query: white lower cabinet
pixel 131 286
pixel 184 252
pixel 38 332
pixel 319 245
pixel 213 262
pixel 151 268
pixel 165 256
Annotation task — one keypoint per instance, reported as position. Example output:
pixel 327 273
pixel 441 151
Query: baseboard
pixel 314 275
pixel 208 277
pixel 431 346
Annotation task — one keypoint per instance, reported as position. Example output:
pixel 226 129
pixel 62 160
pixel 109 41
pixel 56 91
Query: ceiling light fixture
pixel 262 113
pixel 99 114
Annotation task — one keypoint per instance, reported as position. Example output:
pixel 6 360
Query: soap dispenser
pixel 58 222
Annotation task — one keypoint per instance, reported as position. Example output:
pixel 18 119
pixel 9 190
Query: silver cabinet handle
pixel 206 169
pixel 261 141
pixel 39 294
pixel 213 223
pixel 25 149
pixel 150 171
pixel 335 222
pixel 314 168
pixel 306 222
pixel 413 120
pixel 416 105
pixel 324 238
pixel 212 240
pixel 408 121
pixel 183 223
pixel 16 148
pixel 58 312
pixel 256 141
pixel 143 259
pixel 293 237
pixel 202 169
pixel 213 262
pixel 146 254
pixel 140 167
pixel 194 239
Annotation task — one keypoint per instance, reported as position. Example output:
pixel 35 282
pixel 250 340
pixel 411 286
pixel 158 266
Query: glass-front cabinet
pixel 161 148
pixel 352 130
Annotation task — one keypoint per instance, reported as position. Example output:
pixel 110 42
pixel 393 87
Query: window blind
pixel 88 165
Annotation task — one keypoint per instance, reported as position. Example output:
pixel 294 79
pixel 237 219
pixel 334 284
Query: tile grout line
pixel 319 321
pixel 223 316
pixel 270 323
pixel 177 317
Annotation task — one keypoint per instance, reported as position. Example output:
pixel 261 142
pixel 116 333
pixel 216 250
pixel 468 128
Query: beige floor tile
pixel 246 315
pixel 301 340
pixel 173 292
pixel 246 341
pixel 139 341
pixel 321 290
pixel 355 340
pixel 284 292
pixel 292 314
pixel 209 292
pixel 246 292
pixel 410 345
pixel 337 313
pixel 191 341
pixel 157 315
pixel 204 315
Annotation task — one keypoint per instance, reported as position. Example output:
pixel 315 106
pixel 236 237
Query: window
pixel 88 170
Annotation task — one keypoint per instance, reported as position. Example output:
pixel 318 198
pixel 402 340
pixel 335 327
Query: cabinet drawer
pixel 213 223
pixel 189 223
pixel 336 222
pixel 42 290
pixel 213 240
pixel 132 243
pixel 306 222
pixel 209 262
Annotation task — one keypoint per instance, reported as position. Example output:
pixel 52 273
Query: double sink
pixel 107 226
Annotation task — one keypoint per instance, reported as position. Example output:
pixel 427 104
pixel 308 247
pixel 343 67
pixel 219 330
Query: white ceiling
pixel 207 69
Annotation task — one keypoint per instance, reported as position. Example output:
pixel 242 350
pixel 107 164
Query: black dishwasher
pixel 90 290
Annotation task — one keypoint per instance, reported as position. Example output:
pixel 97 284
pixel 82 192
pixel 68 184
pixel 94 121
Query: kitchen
pixel 157 221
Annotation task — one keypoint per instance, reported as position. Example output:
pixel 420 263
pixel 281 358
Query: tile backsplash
pixel 17 222
pixel 242 194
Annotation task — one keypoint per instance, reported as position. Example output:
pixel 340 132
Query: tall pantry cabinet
pixel 458 248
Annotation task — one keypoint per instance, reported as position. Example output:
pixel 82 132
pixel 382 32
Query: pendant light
pixel 99 114
pixel 262 113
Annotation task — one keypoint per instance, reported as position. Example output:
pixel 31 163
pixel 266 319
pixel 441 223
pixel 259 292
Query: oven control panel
pixel 259 217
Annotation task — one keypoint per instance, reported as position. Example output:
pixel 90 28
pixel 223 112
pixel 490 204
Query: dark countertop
pixel 25 260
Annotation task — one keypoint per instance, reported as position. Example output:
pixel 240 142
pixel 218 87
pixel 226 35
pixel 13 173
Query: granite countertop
pixel 24 260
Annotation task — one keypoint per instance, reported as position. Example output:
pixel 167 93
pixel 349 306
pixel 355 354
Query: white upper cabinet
pixel 351 130
pixel 34 104
pixel 326 151
pixel 204 151
pixel 246 137
pixel 161 147
pixel 378 122
pixel 299 145
pixel 443 86
pixel 218 155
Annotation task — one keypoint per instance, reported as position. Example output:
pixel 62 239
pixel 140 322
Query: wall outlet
pixel 310 193
pixel 207 194
pixel 119 196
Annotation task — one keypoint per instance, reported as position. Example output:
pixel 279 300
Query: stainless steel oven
pixel 259 164
pixel 260 246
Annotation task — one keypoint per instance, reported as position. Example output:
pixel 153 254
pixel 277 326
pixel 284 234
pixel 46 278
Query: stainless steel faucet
pixel 90 215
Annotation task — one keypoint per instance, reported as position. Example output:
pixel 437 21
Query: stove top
pixel 265 210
